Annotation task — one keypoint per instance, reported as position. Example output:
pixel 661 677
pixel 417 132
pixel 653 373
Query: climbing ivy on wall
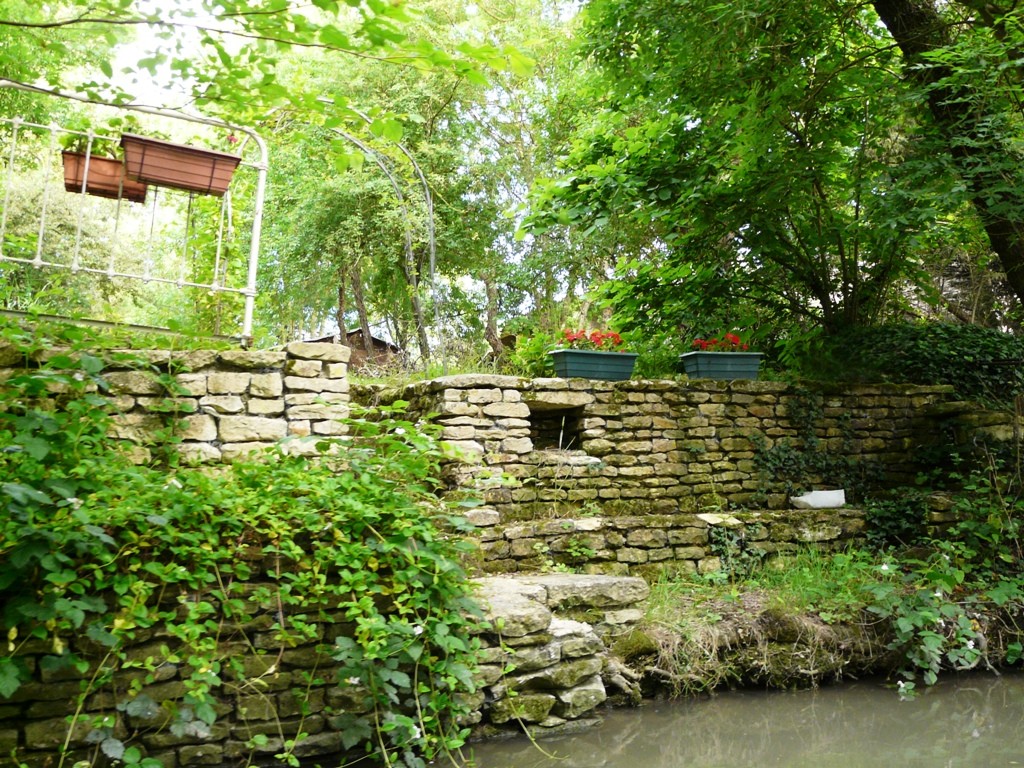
pixel 799 463
pixel 98 554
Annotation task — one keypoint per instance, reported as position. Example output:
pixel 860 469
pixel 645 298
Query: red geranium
pixel 730 342
pixel 606 341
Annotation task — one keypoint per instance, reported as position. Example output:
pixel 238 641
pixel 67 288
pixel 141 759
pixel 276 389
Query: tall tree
pixel 967 58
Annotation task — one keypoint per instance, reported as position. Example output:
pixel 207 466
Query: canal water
pixel 975 720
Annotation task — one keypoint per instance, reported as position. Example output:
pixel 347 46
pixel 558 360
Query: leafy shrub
pixel 96 551
pixel 899 519
pixel 980 363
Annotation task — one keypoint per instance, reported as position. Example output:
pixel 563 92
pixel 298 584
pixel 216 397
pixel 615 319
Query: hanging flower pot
pixel 106 178
pixel 179 166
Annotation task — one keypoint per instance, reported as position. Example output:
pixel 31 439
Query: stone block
pixel 330 427
pixel 507 410
pixel 222 383
pixel 319 411
pixel 133 383
pixel 266 385
pixel 199 453
pixel 253 359
pixel 199 427
pixel 528 708
pixel 235 451
pixel 304 367
pixel 222 404
pixel 236 429
pixel 480 396
pixel 192 383
pixel 336 370
pixel 581 698
pixel 317 384
pixel 329 353
pixel 517 445
pixel 261 407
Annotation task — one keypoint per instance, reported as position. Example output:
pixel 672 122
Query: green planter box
pixel 721 365
pixel 590 364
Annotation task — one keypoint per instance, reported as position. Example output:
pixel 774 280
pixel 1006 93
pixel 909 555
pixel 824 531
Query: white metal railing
pixel 31 159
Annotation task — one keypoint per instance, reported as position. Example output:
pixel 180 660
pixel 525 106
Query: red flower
pixel 592 340
pixel 730 342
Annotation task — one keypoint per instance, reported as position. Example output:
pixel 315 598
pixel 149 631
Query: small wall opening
pixel 556 428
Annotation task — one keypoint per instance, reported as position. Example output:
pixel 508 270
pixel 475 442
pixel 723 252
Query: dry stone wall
pixel 626 477
pixel 225 404
pixel 546 447
pixel 544 663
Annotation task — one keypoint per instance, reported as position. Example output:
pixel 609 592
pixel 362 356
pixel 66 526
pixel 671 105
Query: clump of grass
pixel 778 623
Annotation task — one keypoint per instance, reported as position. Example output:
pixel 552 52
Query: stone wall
pixel 548 645
pixel 647 544
pixel 546 448
pixel 550 650
pixel 231 402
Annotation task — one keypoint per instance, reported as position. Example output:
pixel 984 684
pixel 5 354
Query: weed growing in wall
pixel 98 555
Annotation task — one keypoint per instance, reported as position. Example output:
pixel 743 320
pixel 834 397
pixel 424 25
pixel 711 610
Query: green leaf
pixel 10 676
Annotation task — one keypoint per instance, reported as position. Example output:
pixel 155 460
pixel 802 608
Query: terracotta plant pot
pixel 166 164
pixel 106 178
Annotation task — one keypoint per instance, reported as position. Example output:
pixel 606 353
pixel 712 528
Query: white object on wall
pixel 819 499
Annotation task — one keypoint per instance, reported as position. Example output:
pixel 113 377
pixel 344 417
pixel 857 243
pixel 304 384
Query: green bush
pixel 980 363
pixel 96 551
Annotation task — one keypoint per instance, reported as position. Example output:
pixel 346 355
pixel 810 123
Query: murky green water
pixel 967 721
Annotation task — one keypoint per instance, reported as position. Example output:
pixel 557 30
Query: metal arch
pixel 261 167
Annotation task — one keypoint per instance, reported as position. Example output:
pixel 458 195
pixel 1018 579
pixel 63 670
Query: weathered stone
pixel 221 383
pixel 507 410
pixel 192 383
pixel 483 517
pixel 319 411
pixel 318 384
pixel 330 427
pixel 527 708
pixel 266 385
pixel 336 370
pixel 199 453
pixel 512 608
pixel 237 429
pixel 253 359
pixel 133 383
pixel 199 427
pixel 303 367
pixel 330 353
pixel 580 699
pixel 560 676
pixel 222 404
pixel 566 589
pixel 260 407
pixel 236 451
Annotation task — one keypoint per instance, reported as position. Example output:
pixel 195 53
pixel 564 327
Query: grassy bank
pixel 814 617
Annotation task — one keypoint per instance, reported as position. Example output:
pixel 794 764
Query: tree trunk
pixel 412 281
pixel 342 334
pixel 491 322
pixel 918 28
pixel 364 318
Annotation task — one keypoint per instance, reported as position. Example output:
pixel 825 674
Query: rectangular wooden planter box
pixel 179 166
pixel 106 178
pixel 721 365
pixel 591 364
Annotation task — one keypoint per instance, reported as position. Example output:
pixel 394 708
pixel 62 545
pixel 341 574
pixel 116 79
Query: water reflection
pixel 967 721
